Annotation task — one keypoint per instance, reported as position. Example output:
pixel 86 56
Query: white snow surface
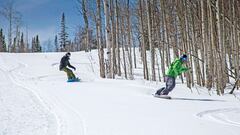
pixel 35 99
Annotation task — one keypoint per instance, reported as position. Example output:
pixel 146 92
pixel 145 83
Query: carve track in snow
pixel 227 116
pixel 63 112
pixel 21 109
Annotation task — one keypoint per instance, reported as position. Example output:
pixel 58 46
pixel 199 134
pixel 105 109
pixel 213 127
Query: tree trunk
pixel 204 43
pixel 108 38
pixel 129 42
pixel 117 39
pixel 152 51
pixel 99 41
pixel 143 41
pixel 85 16
pixel 123 48
pixel 235 43
pixel 210 63
pixel 220 53
pixel 113 34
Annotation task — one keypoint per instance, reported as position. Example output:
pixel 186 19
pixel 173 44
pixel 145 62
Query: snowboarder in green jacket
pixel 175 69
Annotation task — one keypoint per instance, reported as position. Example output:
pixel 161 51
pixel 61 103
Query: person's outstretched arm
pixel 71 66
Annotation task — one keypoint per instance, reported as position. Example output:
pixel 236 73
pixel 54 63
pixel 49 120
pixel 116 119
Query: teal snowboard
pixel 73 80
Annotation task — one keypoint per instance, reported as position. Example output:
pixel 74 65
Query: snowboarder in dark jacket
pixel 175 69
pixel 64 64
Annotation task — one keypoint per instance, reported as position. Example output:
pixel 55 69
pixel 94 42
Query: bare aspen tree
pixel 223 46
pixel 9 12
pixel 129 42
pixel 204 43
pixel 143 41
pixel 233 52
pixel 234 42
pixel 176 43
pixel 117 39
pixel 237 23
pixel 187 40
pixel 182 21
pixel 113 35
pixel 231 40
pixel 18 34
pixel 108 38
pixel 83 9
pixel 220 53
pixel 134 50
pixel 162 44
pixel 157 31
pixel 210 65
pixel 194 47
pixel 123 42
pixel 99 40
pixel 165 33
pixel 152 52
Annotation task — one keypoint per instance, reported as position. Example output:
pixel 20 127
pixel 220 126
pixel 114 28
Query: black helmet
pixel 68 54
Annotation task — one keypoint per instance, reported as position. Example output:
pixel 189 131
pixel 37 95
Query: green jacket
pixel 176 68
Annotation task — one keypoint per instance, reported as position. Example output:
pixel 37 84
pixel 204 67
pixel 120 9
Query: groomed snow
pixel 36 100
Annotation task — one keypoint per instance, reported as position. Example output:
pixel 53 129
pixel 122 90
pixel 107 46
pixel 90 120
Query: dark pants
pixel 170 84
pixel 69 72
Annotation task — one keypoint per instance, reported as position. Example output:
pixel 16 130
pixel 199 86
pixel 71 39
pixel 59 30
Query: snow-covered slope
pixel 36 100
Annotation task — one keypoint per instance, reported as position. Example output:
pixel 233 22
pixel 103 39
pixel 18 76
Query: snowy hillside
pixel 36 100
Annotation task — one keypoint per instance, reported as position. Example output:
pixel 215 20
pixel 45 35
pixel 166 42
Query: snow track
pixel 32 116
pixel 227 116
pixel 61 115
pixel 53 107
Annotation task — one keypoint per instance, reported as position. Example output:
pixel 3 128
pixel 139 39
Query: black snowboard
pixel 162 96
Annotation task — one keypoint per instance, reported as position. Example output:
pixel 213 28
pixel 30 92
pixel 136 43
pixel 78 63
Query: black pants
pixel 170 84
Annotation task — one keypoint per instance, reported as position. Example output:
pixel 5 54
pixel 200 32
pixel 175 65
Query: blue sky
pixel 43 16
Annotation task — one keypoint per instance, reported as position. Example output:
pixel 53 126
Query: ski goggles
pixel 68 54
pixel 184 59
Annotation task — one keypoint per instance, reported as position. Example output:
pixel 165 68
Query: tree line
pixel 16 41
pixel 208 31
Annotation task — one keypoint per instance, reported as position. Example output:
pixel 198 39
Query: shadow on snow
pixel 196 99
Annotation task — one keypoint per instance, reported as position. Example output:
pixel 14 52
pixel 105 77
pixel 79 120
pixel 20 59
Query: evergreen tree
pixel 4 44
pixel 14 46
pixel 56 43
pixel 3 47
pixel 22 44
pixel 36 47
pixel 63 34
pixel 33 44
